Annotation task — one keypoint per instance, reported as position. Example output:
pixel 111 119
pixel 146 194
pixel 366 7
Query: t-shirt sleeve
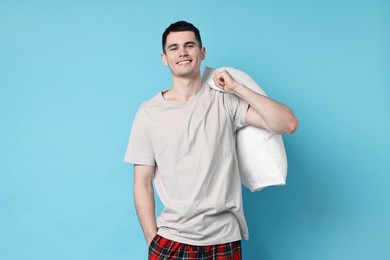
pixel 237 108
pixel 139 149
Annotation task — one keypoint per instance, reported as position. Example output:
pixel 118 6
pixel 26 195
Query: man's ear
pixel 164 59
pixel 203 53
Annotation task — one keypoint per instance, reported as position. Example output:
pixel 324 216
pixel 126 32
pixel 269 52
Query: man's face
pixel 183 54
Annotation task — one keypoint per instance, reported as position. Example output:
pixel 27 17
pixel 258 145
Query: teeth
pixel 184 62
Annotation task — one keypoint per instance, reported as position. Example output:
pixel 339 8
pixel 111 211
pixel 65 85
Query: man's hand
pixel 225 81
pixel 149 240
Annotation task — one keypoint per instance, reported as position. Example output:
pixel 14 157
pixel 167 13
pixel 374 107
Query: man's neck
pixel 183 89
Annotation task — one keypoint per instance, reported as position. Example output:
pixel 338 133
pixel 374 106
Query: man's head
pixel 180 26
pixel 183 52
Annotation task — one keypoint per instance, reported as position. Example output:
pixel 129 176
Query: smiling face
pixel 183 55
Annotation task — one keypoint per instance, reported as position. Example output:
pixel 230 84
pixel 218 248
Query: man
pixel 183 138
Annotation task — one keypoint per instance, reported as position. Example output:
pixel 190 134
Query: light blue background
pixel 73 73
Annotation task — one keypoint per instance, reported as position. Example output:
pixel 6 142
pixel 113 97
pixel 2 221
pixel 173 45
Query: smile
pixel 184 62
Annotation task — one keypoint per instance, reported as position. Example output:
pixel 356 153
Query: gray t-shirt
pixel 192 146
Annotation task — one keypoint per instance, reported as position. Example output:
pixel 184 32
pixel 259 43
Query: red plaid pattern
pixel 164 249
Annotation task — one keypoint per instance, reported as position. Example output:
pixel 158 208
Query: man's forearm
pixel 145 206
pixel 274 116
pixel 263 111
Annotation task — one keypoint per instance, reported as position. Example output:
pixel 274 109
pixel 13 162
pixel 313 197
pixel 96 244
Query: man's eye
pixel 191 46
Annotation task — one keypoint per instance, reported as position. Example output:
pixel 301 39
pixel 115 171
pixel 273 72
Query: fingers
pixel 219 79
pixel 224 81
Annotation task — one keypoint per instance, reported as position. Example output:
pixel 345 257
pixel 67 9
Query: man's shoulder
pixel 152 102
pixel 218 94
pixel 145 110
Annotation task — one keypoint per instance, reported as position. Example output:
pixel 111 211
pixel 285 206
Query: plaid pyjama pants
pixel 164 249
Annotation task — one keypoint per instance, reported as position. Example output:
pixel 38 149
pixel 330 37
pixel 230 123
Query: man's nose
pixel 183 52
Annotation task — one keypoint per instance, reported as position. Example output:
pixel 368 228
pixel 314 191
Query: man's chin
pixel 186 74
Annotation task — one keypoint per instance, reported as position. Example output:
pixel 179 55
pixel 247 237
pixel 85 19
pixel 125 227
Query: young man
pixel 183 138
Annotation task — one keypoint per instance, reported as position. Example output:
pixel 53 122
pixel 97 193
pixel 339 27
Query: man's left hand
pixel 225 81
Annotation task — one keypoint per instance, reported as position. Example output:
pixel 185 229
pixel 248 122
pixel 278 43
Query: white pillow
pixel 261 156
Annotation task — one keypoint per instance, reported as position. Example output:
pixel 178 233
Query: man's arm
pixel 263 112
pixel 144 200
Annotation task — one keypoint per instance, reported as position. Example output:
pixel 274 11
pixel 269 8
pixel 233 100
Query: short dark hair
pixel 181 26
